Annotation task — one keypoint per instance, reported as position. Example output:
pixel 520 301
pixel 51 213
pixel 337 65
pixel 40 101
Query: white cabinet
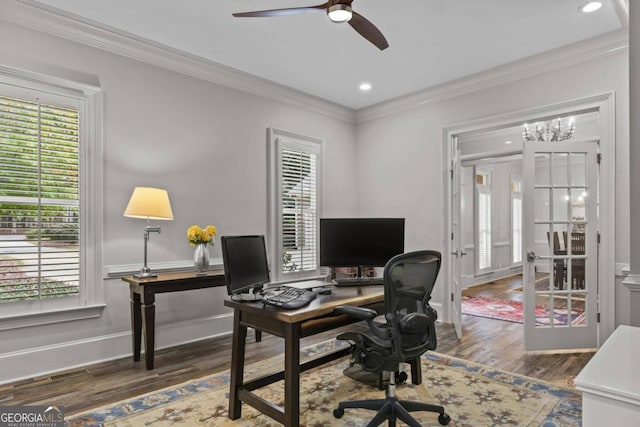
pixel 610 382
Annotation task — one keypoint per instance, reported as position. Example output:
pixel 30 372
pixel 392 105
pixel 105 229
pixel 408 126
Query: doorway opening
pixel 485 236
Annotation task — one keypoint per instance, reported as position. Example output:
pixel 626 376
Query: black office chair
pixel 409 331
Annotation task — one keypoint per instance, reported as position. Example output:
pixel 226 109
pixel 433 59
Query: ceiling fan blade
pixel 367 30
pixel 283 12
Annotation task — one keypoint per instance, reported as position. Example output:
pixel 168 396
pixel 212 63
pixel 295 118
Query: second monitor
pixel 358 242
pixel 246 268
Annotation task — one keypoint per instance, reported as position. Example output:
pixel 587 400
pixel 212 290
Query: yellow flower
pixel 197 235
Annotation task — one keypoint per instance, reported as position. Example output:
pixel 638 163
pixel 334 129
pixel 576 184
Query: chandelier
pixel 549 132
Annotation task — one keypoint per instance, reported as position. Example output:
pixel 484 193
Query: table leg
pixel 292 376
pixel 136 325
pixel 149 328
pixel 237 366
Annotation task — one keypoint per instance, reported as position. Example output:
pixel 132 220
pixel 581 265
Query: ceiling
pixel 431 42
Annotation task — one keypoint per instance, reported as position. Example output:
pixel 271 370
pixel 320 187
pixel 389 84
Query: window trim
pixel 90 111
pixel 277 140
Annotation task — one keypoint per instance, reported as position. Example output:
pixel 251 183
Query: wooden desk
pixel 291 325
pixel 143 308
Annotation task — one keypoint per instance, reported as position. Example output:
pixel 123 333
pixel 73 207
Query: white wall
pixel 206 144
pixel 632 280
pixel 401 158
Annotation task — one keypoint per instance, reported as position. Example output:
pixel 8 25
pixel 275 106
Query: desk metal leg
pixel 292 376
pixel 237 366
pixel 149 328
pixel 136 325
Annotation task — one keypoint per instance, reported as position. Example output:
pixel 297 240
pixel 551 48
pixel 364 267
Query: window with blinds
pixel 483 221
pixel 516 222
pixel 295 205
pixel 484 230
pixel 39 200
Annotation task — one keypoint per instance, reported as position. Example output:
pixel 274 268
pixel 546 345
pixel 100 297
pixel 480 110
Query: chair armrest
pixel 360 313
pixel 367 314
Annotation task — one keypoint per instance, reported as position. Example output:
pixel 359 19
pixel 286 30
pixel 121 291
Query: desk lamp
pixel 148 203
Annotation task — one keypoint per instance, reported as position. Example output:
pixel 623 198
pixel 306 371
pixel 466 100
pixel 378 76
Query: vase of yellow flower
pixel 201 238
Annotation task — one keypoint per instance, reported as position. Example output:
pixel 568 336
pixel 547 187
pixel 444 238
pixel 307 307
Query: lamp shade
pixel 149 203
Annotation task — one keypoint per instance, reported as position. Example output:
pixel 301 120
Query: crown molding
pixel 577 53
pixel 30 14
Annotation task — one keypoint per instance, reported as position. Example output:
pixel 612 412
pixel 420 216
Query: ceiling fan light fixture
pixel 339 13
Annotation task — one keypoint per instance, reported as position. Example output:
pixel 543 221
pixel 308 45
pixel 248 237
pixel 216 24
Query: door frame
pixel 605 105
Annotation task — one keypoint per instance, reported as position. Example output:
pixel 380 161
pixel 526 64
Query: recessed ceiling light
pixel 365 86
pixel 508 142
pixel 591 6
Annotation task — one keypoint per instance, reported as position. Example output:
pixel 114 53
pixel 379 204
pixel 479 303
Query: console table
pixel 143 308
pixel 610 382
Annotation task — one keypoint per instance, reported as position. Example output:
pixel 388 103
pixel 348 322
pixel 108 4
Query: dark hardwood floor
pixel 490 342
pixel 510 289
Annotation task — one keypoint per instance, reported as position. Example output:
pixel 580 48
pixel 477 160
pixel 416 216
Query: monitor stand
pixel 247 296
pixel 359 273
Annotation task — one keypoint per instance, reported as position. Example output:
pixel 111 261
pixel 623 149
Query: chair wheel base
pixel 391 409
pixel 443 419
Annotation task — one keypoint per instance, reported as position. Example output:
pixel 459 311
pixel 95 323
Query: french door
pixel 560 201
pixel 457 250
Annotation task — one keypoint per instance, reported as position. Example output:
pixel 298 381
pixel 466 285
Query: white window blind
pixel 299 211
pixel 39 200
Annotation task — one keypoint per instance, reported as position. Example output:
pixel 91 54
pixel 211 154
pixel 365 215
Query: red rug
pixel 512 311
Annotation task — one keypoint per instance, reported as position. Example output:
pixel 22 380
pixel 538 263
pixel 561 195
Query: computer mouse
pixel 323 290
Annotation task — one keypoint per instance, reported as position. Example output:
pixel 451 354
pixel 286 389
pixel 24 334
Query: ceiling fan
pixel 338 11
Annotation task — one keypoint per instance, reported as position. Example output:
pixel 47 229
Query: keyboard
pixel 289 298
pixel 359 281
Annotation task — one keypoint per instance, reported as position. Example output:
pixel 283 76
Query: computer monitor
pixel 348 242
pixel 246 268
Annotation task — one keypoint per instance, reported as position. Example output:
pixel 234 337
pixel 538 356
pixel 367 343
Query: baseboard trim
pixel 46 360
pixel 472 280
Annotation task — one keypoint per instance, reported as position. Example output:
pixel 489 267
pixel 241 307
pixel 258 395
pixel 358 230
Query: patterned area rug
pixel 512 311
pixel 473 395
